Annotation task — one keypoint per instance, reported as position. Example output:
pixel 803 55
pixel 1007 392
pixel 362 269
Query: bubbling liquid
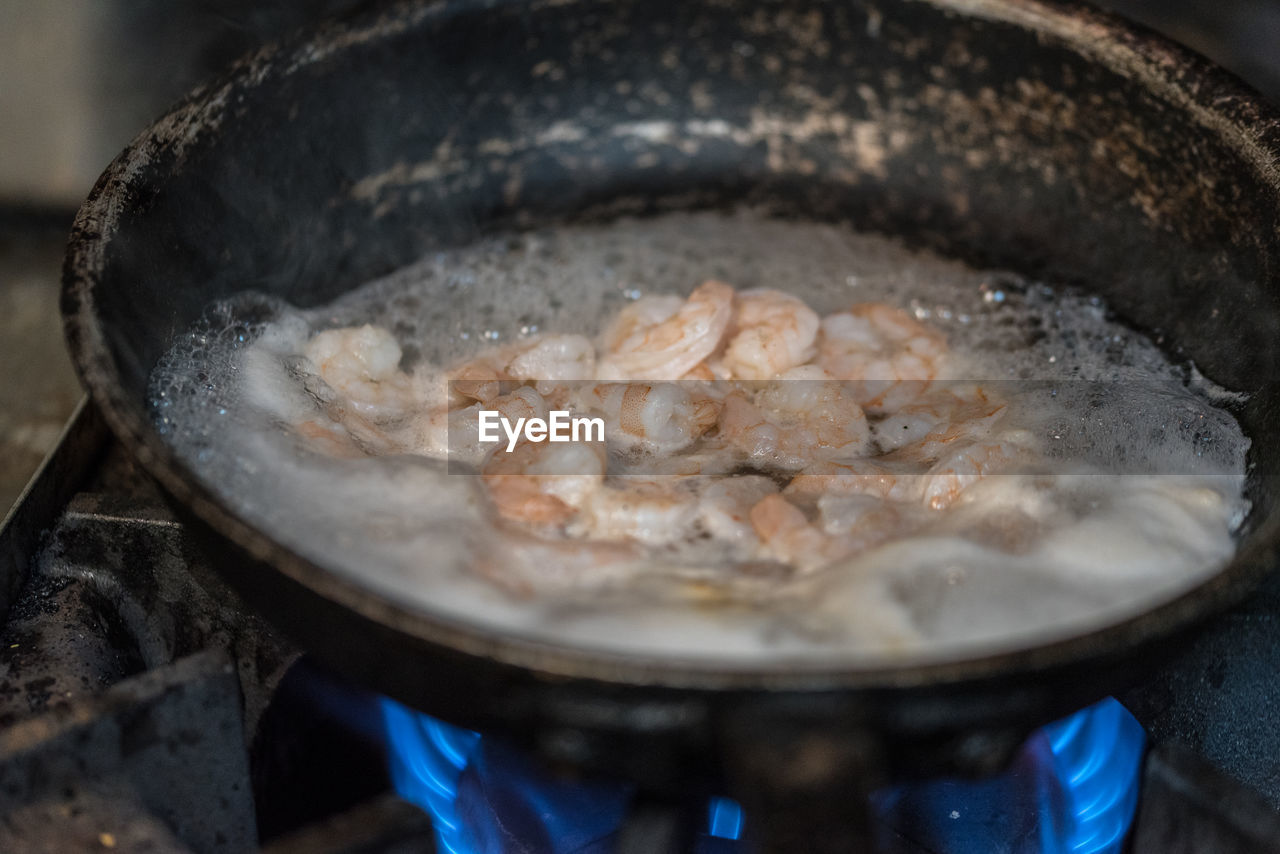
pixel 1143 500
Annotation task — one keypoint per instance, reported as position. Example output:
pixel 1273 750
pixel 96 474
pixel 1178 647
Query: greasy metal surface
pixel 92 820
pixel 1190 807
pixel 54 482
pixel 1038 136
pixel 386 825
pixel 1220 699
pixel 63 640
pixel 138 745
pixel 113 591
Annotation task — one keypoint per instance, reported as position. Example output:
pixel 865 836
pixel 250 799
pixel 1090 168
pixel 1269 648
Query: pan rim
pixel 1226 105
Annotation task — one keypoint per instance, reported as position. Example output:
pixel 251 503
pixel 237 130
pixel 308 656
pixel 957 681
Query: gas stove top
pixel 142 707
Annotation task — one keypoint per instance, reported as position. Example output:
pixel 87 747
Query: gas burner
pixel 1072 789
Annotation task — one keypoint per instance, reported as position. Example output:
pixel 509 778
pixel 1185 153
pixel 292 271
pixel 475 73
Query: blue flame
pixel 426 758
pixel 724 818
pixel 1072 790
pixel 1098 752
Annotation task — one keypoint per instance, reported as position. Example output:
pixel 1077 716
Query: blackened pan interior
pixel 1038 137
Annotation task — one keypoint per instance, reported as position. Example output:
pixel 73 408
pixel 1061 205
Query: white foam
pixel 1109 401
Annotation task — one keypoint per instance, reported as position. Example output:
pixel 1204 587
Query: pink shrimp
pixel 544 483
pixel 661 417
pixel 771 333
pixel 788 535
pixel 940 419
pixel 855 477
pixel 965 466
pixel 793 422
pixel 670 348
pixel 890 356
pixel 362 364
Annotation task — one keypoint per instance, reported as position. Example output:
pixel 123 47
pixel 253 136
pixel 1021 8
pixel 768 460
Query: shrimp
pixel 771 333
pixel 544 483
pixel 544 360
pixel 965 466
pixel 724 507
pixel 787 535
pixel 652 511
pixel 362 363
pixel 455 433
pixel 701 372
pixel 855 477
pixel 645 313
pixel 554 358
pixel 341 429
pixel 871 518
pixel 690 388
pixel 793 422
pixel 670 348
pixel 479 380
pixel 658 417
pixel 936 487
pixel 890 356
pixel 939 419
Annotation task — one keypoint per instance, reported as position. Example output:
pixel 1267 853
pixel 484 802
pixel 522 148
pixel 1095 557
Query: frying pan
pixel 1041 137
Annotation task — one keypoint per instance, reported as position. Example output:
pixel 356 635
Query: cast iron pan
pixel 1041 137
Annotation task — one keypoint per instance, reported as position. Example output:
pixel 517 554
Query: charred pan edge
pixel 1215 98
pixel 1212 96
